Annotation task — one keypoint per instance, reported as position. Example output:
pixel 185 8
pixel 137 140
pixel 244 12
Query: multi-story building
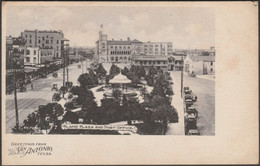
pixel 36 55
pixel 14 49
pixel 160 62
pixel 123 50
pixel 199 64
pixel 45 39
pixel 157 48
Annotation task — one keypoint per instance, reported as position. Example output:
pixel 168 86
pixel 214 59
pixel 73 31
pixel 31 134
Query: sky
pixel 185 27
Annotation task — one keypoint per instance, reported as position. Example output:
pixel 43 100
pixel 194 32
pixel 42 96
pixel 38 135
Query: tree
pixel 152 71
pixel 93 77
pixel 101 72
pixel 114 70
pixel 135 80
pixel 125 71
pixel 133 69
pixel 87 80
pixel 162 86
pixel 162 111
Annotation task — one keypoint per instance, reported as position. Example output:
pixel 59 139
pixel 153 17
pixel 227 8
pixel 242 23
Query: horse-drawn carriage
pixel 55 74
pixel 22 87
pixel 69 84
pixel 54 87
pixel 56 97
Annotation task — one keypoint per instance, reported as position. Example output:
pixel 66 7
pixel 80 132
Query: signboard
pixel 69 126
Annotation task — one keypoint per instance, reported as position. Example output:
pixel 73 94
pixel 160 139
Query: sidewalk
pixel 177 102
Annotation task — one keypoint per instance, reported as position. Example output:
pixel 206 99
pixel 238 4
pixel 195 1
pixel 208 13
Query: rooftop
pixel 203 58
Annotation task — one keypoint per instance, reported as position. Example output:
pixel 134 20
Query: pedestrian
pixel 31 85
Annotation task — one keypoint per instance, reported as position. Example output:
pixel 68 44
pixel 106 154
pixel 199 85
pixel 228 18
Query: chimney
pixel 113 39
pixel 128 39
pixel 121 39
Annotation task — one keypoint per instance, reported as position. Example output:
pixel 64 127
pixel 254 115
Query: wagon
pixel 191 110
pixel 54 87
pixel 56 97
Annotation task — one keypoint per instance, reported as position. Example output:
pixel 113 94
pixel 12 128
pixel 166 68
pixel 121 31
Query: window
pixel 121 57
pixel 57 41
pixel 57 47
pixel 211 63
pixel 34 52
pixel 103 47
pixel 39 41
pixel 30 36
pixel 112 58
pixel 120 47
pixel 57 54
pixel 30 41
pixel 211 69
pixel 51 41
pixel 111 47
pixel 25 36
pixel 42 45
pixel 27 52
pixel 43 38
pixel 115 47
pixel 34 60
pixel 158 62
pixel 124 47
pixel 47 36
pixel 145 45
pixel 156 49
pixel 156 45
pixel 47 41
pixel 129 58
pixel 128 47
pixel 27 59
pixel 124 58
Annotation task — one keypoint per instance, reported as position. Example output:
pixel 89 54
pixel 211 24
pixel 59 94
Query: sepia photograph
pixel 137 80
pixel 110 73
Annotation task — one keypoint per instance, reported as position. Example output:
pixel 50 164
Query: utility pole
pixel 67 58
pixel 15 96
pixel 63 53
pixel 182 77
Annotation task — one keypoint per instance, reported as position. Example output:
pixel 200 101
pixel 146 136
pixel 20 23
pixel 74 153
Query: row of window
pixel 152 62
pixel 120 58
pixel 30 36
pixel 47 41
pixel 120 52
pixel 120 47
pixel 34 52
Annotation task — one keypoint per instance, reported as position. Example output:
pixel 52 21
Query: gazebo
pixel 120 81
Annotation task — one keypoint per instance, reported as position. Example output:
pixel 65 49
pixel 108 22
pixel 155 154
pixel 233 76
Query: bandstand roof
pixel 120 79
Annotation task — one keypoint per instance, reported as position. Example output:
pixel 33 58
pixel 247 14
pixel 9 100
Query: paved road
pixel 205 90
pixel 40 95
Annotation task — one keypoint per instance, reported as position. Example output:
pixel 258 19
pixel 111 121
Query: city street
pixel 41 94
pixel 205 90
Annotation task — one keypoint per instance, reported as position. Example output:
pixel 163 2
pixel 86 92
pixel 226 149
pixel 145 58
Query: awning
pixel 28 69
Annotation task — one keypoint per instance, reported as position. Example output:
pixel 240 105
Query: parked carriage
pixel 56 97
pixel 54 87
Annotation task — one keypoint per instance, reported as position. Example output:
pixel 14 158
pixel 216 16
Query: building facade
pixel 36 55
pixel 15 47
pixel 160 62
pixel 199 65
pixel 123 50
pixel 45 39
